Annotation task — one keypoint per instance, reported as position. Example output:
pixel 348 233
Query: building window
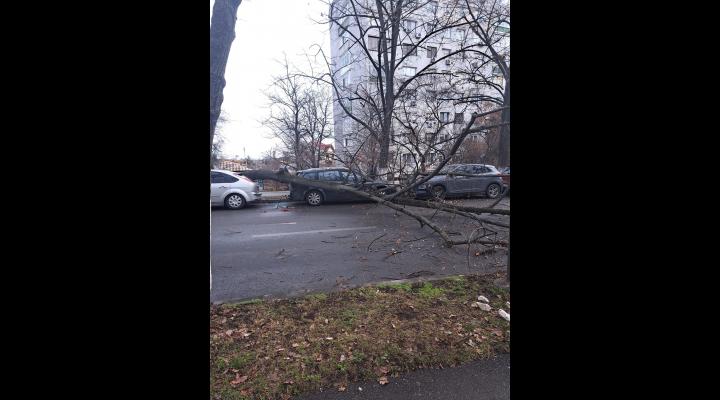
pixel 409 49
pixel 458 34
pixel 406 158
pixel 409 25
pixel 444 117
pixel 496 71
pixel 459 118
pixel 432 52
pixel 446 53
pixel 345 142
pixel 373 43
pixel 504 27
pixel 408 71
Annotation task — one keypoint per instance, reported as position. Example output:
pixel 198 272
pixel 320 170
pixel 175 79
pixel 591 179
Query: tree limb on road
pixel 429 204
pixel 284 177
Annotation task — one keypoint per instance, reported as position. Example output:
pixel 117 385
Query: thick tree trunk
pixel 504 145
pixel 222 34
pixel 386 124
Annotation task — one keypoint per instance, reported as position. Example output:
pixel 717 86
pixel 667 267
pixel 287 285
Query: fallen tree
pixel 399 203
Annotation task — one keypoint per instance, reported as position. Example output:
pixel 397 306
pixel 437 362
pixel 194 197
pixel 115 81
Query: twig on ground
pixel 392 254
pixel 373 241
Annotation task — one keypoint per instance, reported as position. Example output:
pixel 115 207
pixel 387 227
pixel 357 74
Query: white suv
pixel 231 190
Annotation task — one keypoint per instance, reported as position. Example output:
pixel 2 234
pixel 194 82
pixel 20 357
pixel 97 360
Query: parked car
pixel 505 175
pixel 487 181
pixel 231 190
pixel 315 196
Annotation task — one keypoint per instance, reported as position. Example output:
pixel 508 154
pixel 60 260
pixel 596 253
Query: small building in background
pixel 328 155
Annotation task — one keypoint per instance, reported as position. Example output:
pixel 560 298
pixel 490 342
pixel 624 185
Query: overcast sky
pixel 264 30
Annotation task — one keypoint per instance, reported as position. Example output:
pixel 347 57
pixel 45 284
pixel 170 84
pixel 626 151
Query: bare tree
pixel 383 35
pixel 286 100
pixel 489 20
pixel 316 123
pixel 300 116
pixel 218 139
pixel 222 34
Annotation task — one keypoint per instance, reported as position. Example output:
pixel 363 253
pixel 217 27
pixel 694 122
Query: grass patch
pixel 293 346
pixel 428 291
pixel 245 302
pixel 405 287
pixel 317 297
pixel 241 360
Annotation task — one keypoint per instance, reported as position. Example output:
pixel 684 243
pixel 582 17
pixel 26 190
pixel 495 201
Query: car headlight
pixel 423 186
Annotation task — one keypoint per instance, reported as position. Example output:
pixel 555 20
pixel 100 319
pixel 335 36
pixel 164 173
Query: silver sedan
pixel 231 190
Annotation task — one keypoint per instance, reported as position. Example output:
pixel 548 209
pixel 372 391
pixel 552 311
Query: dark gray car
pixel 315 196
pixel 452 181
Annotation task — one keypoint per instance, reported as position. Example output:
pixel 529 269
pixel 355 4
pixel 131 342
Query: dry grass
pixel 275 349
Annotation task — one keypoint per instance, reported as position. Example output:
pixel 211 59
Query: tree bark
pixel 504 145
pixel 222 34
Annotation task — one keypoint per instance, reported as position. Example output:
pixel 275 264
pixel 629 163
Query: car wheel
pixel 438 192
pixel 493 190
pixel 235 201
pixel 314 198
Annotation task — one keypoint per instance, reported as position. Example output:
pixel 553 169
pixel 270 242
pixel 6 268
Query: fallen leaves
pixel 282 341
pixel 238 379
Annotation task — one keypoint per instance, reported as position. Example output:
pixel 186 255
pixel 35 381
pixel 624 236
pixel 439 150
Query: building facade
pixel 446 73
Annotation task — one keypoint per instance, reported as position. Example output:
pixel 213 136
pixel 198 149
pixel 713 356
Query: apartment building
pixel 451 79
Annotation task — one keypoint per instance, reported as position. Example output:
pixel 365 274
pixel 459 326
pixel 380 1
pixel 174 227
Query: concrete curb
pixel 432 278
pixel 271 200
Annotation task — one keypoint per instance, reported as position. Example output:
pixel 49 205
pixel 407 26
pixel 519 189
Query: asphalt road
pixel 478 380
pixel 289 249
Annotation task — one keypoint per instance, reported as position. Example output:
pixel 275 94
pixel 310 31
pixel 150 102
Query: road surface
pixel 289 249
